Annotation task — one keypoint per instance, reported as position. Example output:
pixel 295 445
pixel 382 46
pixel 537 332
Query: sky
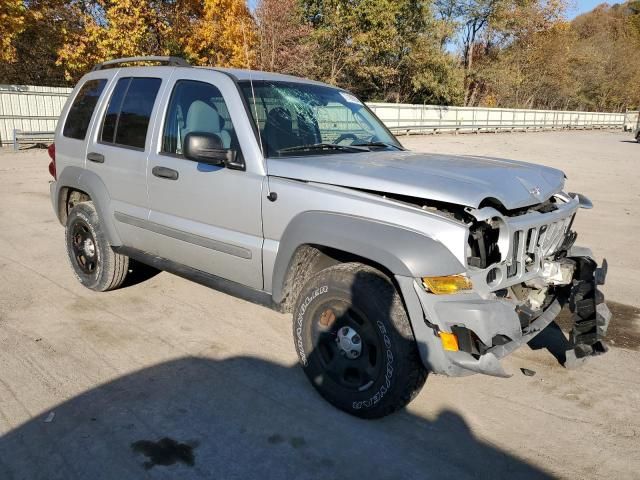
pixel 583 6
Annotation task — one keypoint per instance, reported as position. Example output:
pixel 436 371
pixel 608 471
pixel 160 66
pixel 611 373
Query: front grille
pixel 524 242
pixel 531 245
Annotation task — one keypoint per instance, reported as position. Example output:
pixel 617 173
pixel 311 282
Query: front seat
pixel 278 130
pixel 202 117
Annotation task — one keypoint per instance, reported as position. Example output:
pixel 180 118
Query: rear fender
pixel 90 183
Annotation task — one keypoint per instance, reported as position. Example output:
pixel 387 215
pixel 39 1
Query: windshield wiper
pixel 376 144
pixel 322 146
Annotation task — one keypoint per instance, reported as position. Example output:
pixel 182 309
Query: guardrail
pixel 36 109
pixel 31 138
pixel 410 119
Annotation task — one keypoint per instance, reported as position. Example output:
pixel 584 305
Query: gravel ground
pixel 207 386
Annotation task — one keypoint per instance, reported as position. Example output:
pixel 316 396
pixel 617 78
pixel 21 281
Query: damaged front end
pixel 524 268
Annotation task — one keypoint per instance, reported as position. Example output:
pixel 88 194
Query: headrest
pixel 202 117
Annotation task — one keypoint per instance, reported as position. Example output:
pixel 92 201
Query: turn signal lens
pixel 449 341
pixel 447 285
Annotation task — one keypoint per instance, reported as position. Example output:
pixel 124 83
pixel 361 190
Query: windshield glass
pixel 298 119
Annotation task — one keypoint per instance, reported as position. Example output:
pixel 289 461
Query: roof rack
pixel 170 61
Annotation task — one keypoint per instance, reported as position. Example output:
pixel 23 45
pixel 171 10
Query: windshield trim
pixel 247 104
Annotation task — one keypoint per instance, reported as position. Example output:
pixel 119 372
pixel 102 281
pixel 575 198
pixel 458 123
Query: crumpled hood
pixel 463 180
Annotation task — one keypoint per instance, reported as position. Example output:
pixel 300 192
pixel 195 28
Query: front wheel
pixel 355 342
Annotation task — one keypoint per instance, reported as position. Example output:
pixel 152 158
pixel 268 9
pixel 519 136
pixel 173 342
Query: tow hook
pixel 590 314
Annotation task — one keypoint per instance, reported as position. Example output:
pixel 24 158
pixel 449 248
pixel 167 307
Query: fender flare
pixel 402 251
pixel 89 182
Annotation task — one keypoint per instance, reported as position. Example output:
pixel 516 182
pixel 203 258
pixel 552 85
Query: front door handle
pixel 164 172
pixel 95 157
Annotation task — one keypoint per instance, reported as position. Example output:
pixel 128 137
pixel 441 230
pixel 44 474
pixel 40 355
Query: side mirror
pixel 207 148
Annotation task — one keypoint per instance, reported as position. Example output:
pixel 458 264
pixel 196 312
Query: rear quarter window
pixel 81 110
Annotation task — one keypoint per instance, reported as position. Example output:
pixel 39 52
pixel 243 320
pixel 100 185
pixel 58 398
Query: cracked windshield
pixel 297 119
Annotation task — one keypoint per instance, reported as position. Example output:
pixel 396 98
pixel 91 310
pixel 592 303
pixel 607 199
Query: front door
pixel 203 216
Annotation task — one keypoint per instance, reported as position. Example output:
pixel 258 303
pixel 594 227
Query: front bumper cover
pixel 499 327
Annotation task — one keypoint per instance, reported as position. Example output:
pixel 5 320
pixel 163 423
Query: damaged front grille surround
pixel 507 250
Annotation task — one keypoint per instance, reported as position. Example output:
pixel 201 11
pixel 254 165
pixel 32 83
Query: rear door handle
pixel 95 157
pixel 164 172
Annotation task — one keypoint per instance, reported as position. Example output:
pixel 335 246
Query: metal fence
pixel 32 112
pixel 408 119
pixel 25 108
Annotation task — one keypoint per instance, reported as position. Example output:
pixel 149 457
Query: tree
pixel 382 49
pixel 11 25
pixel 284 44
pixel 222 34
pixel 35 45
pixel 119 28
pixel 209 32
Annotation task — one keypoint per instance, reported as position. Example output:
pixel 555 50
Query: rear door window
pixel 126 120
pixel 81 110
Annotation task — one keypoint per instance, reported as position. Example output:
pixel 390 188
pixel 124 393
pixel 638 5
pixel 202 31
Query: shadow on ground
pixel 623 331
pixel 246 418
pixel 238 418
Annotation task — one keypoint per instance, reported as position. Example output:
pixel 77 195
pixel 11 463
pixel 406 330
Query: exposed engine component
pixel 483 241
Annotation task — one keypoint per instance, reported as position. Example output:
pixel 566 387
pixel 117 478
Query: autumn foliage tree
pixel 590 63
pixel 12 13
pixel 509 53
pixel 284 42
pixel 222 33
pixel 122 28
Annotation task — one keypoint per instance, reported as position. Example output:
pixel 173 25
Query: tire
pixel 355 342
pixel 94 262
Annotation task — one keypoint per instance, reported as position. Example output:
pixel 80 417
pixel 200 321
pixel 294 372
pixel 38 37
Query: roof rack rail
pixel 171 61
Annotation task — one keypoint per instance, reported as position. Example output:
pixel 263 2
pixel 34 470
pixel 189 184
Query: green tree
pixel 383 49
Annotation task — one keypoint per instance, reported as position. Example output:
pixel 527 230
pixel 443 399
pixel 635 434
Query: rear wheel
pixel 355 342
pixel 93 260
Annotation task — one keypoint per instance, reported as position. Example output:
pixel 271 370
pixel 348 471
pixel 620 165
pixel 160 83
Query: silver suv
pixel 292 194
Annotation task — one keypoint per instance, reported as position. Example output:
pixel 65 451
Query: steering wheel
pixel 346 136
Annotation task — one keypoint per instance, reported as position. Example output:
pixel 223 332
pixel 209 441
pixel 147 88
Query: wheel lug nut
pixel 355 340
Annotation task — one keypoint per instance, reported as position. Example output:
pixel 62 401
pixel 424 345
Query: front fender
pixel 400 250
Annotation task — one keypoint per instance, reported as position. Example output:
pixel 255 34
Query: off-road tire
pixel 105 269
pixel 331 300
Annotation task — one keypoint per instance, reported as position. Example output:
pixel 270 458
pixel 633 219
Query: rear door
pixel 120 143
pixel 206 217
pixel 78 116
